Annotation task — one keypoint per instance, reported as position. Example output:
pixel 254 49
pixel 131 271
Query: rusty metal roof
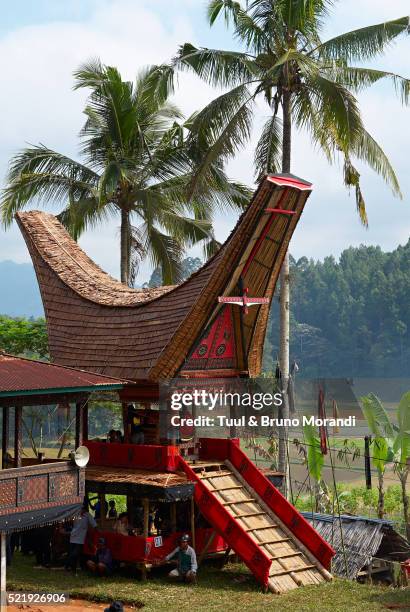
pixel 20 376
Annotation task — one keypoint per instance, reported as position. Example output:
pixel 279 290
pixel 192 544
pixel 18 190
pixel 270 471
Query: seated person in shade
pixel 102 562
pixel 114 436
pixel 186 561
pixel 112 510
pixel 97 508
pixel 122 525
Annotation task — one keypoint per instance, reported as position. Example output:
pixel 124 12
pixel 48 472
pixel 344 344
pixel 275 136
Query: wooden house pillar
pixel 125 421
pixel 101 499
pixel 18 417
pixel 3 564
pixel 5 437
pixel 145 505
pixel 79 424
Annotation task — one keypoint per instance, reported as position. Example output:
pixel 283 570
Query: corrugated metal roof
pixel 25 376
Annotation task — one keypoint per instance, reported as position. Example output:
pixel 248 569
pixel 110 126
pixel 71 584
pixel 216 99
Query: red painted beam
pixel 281 211
pixel 262 237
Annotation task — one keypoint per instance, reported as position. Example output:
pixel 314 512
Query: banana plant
pixel 391 444
pixel 401 447
pixel 314 460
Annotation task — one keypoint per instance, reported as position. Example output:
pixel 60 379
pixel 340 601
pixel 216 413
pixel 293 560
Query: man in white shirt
pixel 77 537
pixel 186 561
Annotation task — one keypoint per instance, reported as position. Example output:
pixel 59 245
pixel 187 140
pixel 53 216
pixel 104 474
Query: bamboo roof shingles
pixel 357 540
pixel 99 324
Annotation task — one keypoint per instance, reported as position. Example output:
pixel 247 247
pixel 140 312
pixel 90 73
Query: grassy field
pixel 231 588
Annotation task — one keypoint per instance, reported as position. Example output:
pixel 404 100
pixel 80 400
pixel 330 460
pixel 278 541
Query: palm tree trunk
pixel 284 301
pixel 125 247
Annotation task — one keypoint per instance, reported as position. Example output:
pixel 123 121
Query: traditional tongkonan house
pixel 212 326
pixel 40 491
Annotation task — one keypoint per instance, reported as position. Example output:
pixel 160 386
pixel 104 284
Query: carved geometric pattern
pixel 65 485
pixel 216 347
pixel 36 489
pixel 7 493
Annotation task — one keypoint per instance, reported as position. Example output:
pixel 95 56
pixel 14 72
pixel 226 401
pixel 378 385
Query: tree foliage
pixel 350 317
pixel 26 337
pixel 284 62
pixel 142 162
pixel 189 265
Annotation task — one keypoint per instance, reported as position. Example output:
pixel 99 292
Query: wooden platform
pixel 134 476
pixel 153 485
pixel 292 564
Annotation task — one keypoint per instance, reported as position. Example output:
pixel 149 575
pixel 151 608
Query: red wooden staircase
pixel 278 545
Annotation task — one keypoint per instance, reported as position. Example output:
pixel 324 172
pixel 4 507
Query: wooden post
pixel 173 517
pixel 206 547
pixel 145 505
pixel 3 563
pixel 5 437
pixel 18 414
pixel 125 422
pixel 192 522
pixel 367 465
pixel 79 424
pixel 101 499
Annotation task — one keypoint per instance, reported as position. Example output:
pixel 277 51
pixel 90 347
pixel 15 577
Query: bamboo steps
pixel 243 501
pixel 292 565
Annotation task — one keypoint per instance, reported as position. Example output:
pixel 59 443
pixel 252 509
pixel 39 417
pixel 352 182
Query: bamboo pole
pixel 206 548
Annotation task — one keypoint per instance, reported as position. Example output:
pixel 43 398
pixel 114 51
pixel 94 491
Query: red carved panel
pixel 216 347
pixel 8 493
pixel 36 489
pixel 66 485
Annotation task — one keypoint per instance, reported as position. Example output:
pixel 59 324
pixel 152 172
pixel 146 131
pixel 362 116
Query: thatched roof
pixel 98 324
pixel 357 539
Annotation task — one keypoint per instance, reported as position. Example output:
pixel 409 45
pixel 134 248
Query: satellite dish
pixel 81 456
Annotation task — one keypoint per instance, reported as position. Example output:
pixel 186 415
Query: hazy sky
pixel 42 42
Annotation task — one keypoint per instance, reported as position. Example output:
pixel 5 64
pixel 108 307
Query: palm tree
pixel 139 156
pixel 306 83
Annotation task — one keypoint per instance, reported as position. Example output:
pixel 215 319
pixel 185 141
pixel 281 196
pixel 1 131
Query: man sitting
pixel 122 525
pixel 102 563
pixel 186 561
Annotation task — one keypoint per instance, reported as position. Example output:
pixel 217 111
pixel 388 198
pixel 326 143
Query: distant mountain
pixel 19 293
